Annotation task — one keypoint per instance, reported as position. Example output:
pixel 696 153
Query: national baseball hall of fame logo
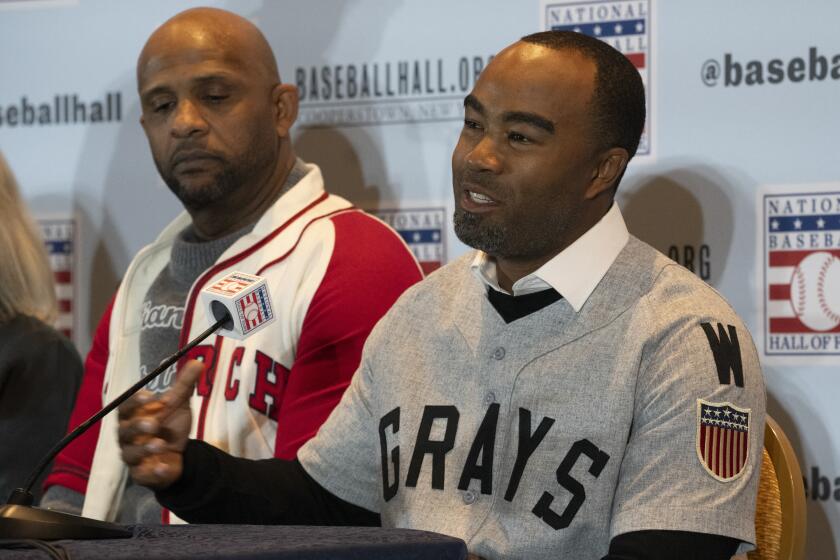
pixel 624 25
pixel 422 229
pixel 802 272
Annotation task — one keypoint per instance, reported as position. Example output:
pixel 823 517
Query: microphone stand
pixel 20 520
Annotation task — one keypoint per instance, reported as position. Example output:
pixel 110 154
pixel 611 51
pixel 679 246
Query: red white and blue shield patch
pixel 723 439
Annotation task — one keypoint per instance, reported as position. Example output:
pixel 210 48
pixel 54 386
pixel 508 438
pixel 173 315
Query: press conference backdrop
pixel 737 176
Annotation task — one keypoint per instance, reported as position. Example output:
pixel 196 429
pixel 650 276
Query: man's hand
pixel 154 431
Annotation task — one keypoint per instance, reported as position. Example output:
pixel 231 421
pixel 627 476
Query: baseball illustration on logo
pixel 815 291
pixel 252 311
pixel 801 271
pixel 254 308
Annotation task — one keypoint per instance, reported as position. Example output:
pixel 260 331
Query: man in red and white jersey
pixel 218 119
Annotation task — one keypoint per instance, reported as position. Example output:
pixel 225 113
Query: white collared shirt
pixel 576 270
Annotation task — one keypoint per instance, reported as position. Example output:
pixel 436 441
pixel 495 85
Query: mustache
pixel 187 154
pixel 478 179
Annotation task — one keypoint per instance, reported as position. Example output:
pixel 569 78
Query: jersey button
pixel 469 497
pixel 499 353
pixel 490 398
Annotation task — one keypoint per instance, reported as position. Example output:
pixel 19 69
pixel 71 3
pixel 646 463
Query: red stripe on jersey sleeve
pixel 369 268
pixel 72 466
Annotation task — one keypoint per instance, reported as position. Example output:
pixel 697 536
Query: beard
pixel 229 178
pixel 516 239
pixel 195 197
pixel 470 229
pixel 473 229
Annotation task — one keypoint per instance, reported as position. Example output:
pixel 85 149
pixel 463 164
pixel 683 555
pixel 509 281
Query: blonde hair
pixel 26 279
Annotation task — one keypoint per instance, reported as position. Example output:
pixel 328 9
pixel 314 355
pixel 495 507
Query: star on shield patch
pixel 723 439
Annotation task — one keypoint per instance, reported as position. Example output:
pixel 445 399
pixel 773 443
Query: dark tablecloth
pixel 259 542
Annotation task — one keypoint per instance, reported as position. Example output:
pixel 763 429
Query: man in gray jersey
pixel 565 391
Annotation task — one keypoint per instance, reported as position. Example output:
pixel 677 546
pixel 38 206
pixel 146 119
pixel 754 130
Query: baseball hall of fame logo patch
pixel 624 25
pixel 802 273
pixel 723 439
pixel 254 309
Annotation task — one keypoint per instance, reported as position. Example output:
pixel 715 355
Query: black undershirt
pixel 512 308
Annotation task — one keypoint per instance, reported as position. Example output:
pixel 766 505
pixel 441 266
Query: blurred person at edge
pixel 40 370
pixel 218 121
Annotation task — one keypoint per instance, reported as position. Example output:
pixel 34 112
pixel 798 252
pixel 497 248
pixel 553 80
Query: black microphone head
pixel 220 312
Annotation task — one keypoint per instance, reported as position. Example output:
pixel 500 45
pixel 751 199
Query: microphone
pixel 239 305
pixel 244 299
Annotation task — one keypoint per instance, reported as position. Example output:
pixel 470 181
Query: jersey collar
pixel 576 271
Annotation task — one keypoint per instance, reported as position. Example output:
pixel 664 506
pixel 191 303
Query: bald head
pixel 217 117
pixel 209 32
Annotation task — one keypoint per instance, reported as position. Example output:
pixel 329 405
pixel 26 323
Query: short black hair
pixel 618 102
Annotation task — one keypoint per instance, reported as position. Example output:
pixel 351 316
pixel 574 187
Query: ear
pixel 611 166
pixel 285 100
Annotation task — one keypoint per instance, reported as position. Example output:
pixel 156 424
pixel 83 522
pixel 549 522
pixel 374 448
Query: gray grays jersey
pixel 548 436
